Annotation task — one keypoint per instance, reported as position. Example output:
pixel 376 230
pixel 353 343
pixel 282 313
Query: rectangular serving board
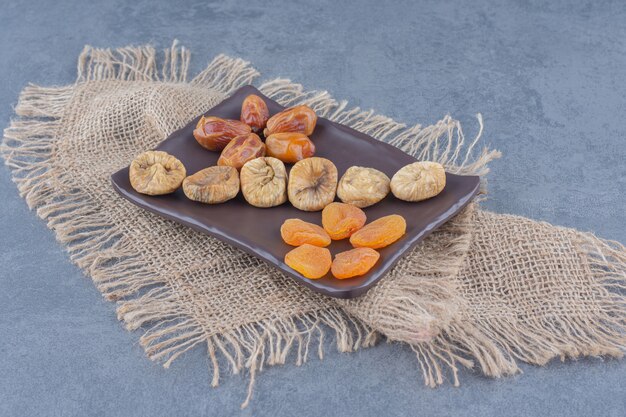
pixel 257 230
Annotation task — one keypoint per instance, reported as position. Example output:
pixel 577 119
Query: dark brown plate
pixel 257 231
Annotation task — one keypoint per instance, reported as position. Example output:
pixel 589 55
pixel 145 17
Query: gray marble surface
pixel 548 78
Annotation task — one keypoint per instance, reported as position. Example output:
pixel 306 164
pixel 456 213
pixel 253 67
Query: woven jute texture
pixel 485 290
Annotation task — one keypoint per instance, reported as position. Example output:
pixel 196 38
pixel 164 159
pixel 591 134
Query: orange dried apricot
pixel 341 220
pixel 353 263
pixel 380 233
pixel 311 261
pixel 296 232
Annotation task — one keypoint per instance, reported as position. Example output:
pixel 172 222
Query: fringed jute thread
pixel 447 298
pixel 535 317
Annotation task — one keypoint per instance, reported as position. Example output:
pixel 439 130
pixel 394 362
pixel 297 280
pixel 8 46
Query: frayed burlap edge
pixel 29 145
pixel 496 343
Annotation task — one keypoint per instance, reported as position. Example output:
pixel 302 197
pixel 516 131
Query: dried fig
pixel 254 112
pixel 212 185
pixel 214 134
pixel 300 119
pixel 241 149
pixel 362 186
pixel 289 147
pixel 156 173
pixel 264 182
pixel 418 181
pixel 312 184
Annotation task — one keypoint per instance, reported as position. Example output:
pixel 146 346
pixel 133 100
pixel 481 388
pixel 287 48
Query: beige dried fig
pixel 212 185
pixel 418 181
pixel 363 187
pixel 312 184
pixel 214 133
pixel 264 182
pixel 156 173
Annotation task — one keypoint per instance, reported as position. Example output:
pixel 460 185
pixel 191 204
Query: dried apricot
pixel 353 263
pixel 311 261
pixel 380 233
pixel 341 220
pixel 296 232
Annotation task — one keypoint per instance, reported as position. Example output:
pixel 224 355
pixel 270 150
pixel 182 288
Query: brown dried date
pixel 254 113
pixel 289 147
pixel 300 119
pixel 214 133
pixel 241 150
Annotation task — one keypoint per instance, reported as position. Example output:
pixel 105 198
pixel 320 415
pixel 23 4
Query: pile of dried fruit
pixel 340 221
pixel 257 168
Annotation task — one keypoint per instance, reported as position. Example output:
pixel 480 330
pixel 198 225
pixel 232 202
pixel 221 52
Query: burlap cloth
pixel 486 289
